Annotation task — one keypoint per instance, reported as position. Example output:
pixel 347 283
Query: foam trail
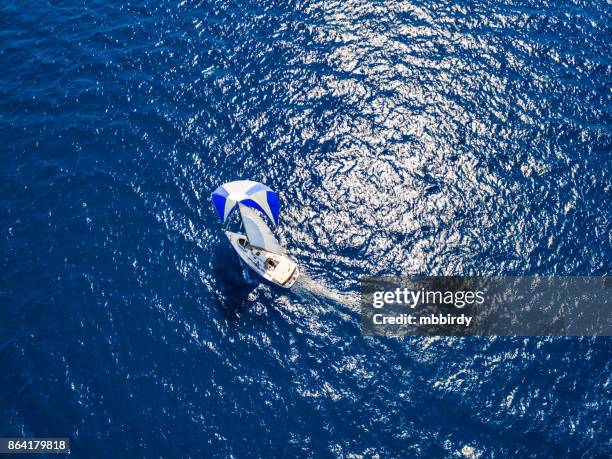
pixel 306 285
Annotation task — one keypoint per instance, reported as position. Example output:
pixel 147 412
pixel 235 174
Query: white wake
pixel 306 285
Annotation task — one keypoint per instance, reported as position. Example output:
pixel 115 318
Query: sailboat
pixel 258 248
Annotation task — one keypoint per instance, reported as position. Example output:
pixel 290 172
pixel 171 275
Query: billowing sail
pixel 252 194
pixel 257 231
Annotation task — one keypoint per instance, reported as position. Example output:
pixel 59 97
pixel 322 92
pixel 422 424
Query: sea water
pixel 468 137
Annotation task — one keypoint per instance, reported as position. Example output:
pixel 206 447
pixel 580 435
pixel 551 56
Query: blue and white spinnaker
pixel 249 193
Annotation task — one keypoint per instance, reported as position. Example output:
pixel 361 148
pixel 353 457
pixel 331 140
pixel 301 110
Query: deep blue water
pixel 427 137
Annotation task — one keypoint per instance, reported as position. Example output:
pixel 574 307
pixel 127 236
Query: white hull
pixel 278 269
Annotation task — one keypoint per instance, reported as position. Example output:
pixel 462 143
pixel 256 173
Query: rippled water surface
pixel 403 137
